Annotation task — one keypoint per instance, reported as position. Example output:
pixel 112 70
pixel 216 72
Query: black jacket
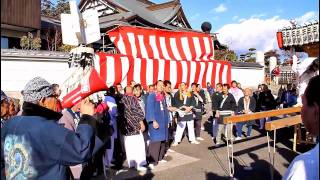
pixel 216 96
pixel 252 105
pixel 229 103
pixel 266 101
pixel 177 102
pixel 197 110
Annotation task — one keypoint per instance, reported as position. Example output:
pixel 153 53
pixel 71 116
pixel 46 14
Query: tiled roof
pixel 19 54
pixel 246 65
pixel 155 15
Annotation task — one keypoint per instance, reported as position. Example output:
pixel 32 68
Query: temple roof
pixel 168 15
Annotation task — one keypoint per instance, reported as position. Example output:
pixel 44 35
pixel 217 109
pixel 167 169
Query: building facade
pixel 18 17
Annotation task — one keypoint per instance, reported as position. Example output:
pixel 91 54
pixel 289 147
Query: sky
pixel 242 24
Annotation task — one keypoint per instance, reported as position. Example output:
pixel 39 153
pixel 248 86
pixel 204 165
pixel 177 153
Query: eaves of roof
pixel 166 14
pixel 30 55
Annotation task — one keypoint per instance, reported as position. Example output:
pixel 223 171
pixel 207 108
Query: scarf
pixel 159 96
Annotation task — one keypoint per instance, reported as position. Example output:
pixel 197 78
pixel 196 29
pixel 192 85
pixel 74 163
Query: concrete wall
pixel 248 77
pixel 18 67
pixel 15 74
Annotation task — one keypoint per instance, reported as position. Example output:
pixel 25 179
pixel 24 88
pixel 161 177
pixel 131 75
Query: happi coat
pixel 156 110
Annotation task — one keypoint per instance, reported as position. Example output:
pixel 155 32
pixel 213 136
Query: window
pixel 4 43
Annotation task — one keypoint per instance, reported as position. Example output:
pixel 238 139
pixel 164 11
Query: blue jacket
pixel 34 146
pixel 161 115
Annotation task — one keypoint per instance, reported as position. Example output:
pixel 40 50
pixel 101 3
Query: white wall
pixel 260 57
pixel 16 74
pixel 248 77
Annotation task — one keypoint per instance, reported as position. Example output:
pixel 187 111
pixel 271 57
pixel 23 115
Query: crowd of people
pixel 131 123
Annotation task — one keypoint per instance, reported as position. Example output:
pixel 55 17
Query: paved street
pixel 202 161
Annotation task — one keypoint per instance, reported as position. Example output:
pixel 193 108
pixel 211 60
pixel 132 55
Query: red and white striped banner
pixel 116 68
pixel 162 44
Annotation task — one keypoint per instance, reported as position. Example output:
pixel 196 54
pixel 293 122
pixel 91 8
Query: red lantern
pixel 280 39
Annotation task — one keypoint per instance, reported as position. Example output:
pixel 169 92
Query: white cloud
pixel 242 19
pixel 252 32
pixel 258 15
pixel 257 32
pixel 221 8
pixel 235 18
pixel 195 16
pixel 309 16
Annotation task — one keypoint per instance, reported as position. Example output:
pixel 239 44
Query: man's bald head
pixel 247 91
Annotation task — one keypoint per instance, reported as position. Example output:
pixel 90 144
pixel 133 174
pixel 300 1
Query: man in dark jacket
pixel 34 146
pixel 227 107
pixel 286 95
pixel 216 96
pixel 266 102
pixel 172 122
pixel 197 110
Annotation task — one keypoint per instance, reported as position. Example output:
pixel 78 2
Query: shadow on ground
pixel 260 169
pixel 128 174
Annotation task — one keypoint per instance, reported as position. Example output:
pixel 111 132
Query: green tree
pixel 36 43
pixel 61 7
pixel 30 42
pixel 47 8
pixel 66 48
pixel 53 34
pixel 252 49
pixel 251 55
pixel 231 56
pixel 242 57
pixel 24 42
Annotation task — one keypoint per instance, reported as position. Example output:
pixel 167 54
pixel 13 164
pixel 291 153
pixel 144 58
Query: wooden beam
pixel 281 123
pixel 259 115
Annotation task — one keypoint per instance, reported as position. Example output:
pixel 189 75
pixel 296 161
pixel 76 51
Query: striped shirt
pixel 133 114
